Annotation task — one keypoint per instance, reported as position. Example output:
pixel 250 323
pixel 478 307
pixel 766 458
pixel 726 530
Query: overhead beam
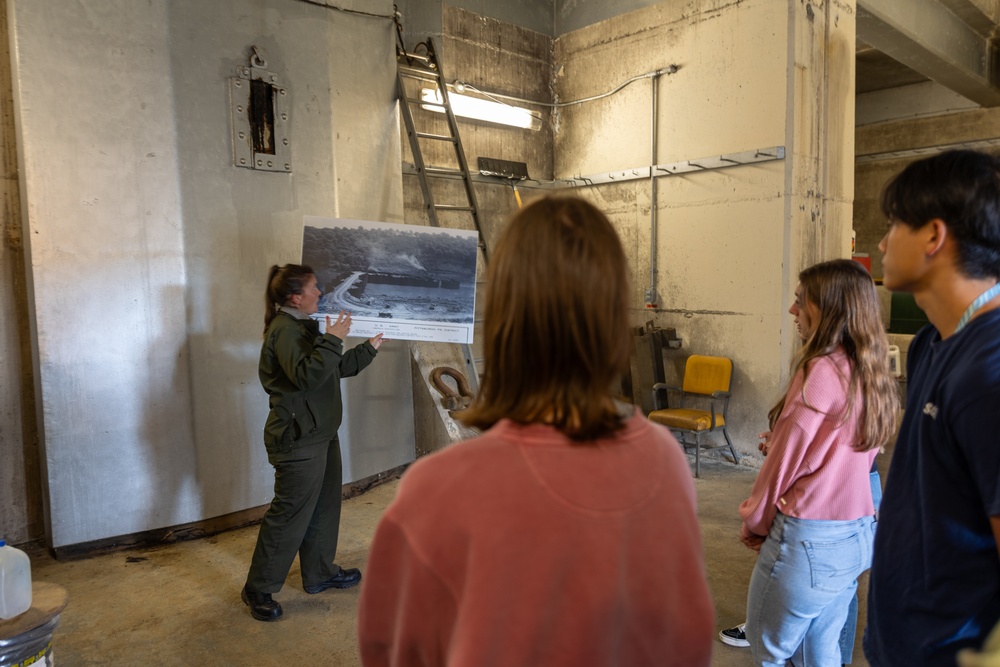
pixel 981 15
pixel 937 38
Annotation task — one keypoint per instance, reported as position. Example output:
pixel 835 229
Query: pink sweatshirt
pixel 521 548
pixel 812 470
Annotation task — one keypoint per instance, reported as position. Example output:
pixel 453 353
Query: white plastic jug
pixel 15 581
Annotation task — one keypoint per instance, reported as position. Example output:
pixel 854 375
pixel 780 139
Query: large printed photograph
pixel 406 281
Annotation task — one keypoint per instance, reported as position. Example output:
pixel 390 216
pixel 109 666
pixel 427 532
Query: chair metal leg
pixel 697 454
pixel 736 457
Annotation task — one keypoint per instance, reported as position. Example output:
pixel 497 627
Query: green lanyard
pixel 980 301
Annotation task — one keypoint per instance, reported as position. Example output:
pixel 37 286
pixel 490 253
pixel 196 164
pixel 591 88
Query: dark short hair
pixel 556 331
pixel 961 188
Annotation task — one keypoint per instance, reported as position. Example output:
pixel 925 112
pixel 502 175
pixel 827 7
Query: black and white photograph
pixel 406 281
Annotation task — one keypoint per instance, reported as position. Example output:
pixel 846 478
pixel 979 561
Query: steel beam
pixel 941 39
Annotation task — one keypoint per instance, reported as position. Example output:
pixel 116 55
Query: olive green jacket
pixel 300 369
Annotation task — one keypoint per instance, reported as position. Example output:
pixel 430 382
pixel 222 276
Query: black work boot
pixel 345 578
pixel 262 607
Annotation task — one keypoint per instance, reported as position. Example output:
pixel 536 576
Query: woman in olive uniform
pixel 300 369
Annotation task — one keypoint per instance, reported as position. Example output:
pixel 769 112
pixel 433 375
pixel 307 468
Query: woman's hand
pixel 765 442
pixel 376 341
pixel 341 327
pixel 750 540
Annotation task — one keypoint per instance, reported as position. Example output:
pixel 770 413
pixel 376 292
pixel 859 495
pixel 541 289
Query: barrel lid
pixel 47 602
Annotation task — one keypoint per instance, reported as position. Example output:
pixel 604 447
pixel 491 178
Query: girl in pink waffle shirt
pixel 810 513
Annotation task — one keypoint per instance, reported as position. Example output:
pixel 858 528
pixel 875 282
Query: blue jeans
pixel 851 625
pixel 801 587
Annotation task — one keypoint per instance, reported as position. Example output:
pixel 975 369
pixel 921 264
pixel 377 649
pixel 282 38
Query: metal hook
pixel 256 60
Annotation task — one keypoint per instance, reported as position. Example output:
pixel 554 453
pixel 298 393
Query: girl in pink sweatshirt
pixel 566 533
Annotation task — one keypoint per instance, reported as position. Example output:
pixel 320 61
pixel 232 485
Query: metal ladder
pixel 418 69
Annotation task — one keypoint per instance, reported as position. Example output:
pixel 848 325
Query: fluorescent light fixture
pixel 474 107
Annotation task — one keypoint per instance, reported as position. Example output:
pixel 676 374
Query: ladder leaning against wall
pixel 415 72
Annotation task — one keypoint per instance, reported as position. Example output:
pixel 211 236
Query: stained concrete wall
pixel 548 17
pixel 728 251
pixel 730 243
pixel 148 249
pixel 570 15
pixel 425 17
pixel 502 58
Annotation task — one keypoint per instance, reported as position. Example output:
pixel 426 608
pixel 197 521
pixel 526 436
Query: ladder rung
pixel 438 137
pixel 425 103
pixel 418 73
pixel 414 56
pixel 452 207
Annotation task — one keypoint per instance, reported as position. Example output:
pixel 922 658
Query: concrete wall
pixel 503 58
pixel 138 220
pixel 730 242
pixel 148 249
pixel 424 17
pixel 570 15
pixel 548 17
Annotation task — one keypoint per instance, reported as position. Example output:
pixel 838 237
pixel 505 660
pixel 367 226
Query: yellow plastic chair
pixel 706 383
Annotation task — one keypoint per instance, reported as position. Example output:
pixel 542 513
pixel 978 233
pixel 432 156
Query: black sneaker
pixel 735 636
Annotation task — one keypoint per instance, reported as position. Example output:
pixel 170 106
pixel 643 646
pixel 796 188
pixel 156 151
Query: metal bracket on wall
pixel 259 110
pixel 686 166
pixel 671 169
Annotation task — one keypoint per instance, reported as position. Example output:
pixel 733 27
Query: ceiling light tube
pixel 474 107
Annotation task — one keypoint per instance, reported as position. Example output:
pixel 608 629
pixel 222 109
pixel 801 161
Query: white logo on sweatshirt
pixel 931 410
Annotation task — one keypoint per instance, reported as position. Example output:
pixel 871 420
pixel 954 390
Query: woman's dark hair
pixel 850 316
pixel 556 330
pixel 962 188
pixel 282 283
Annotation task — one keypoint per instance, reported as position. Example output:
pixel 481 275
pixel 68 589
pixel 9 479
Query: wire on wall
pixel 461 86
pixel 320 3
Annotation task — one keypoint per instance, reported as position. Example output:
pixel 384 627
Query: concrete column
pixel 819 141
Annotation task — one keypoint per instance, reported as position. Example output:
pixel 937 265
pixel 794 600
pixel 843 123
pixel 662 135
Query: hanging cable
pixel 461 86
pixel 320 3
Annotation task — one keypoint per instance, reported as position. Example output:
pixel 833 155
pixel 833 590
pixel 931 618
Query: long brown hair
pixel 556 331
pixel 849 316
pixel 282 283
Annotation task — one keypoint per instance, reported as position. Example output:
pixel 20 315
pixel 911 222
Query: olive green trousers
pixel 304 517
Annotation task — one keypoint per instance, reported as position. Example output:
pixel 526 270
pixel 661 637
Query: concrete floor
pixel 180 604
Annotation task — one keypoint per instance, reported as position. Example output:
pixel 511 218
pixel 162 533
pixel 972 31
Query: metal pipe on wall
pixel 652 300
